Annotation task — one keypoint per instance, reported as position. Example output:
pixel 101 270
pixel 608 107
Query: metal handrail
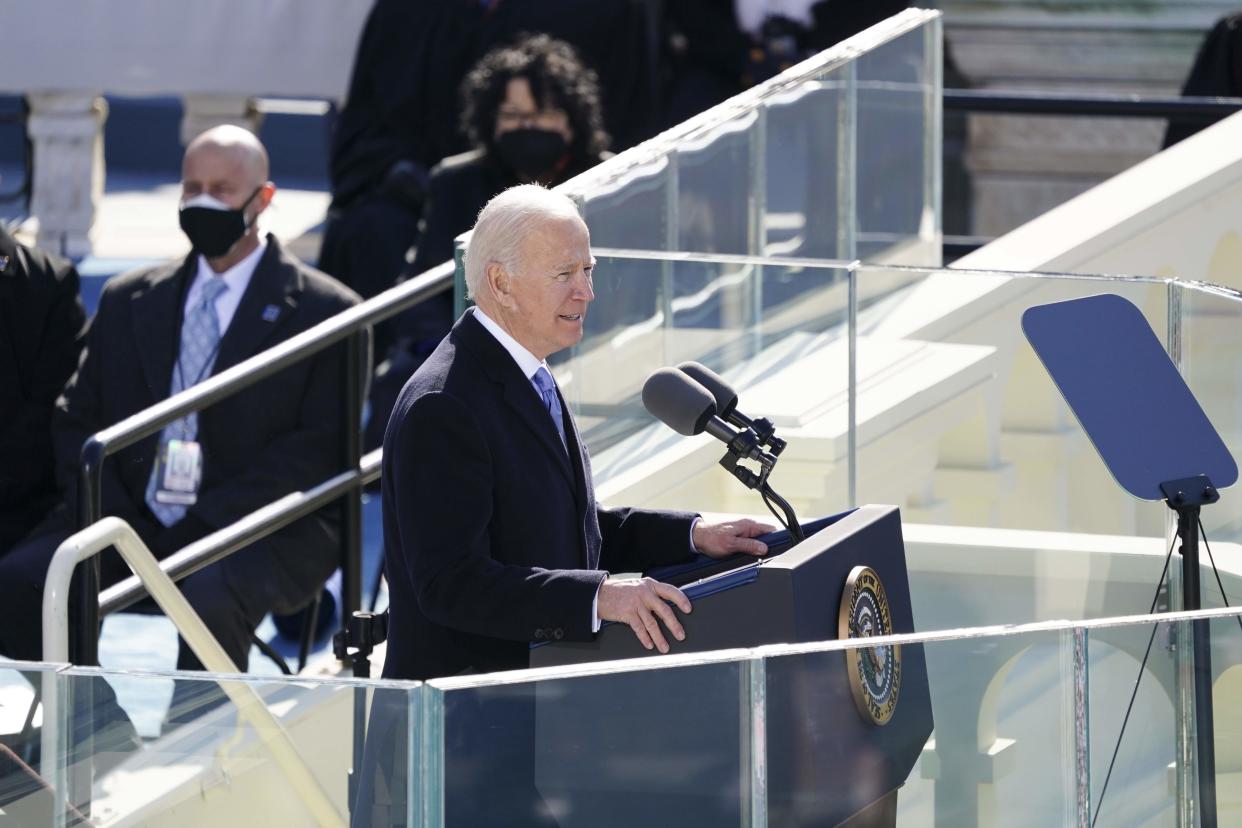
pixel 258 524
pixel 1186 108
pixel 114 532
pixel 344 326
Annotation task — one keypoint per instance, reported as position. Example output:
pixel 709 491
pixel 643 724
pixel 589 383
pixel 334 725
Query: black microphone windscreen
pixel 678 401
pixel 726 397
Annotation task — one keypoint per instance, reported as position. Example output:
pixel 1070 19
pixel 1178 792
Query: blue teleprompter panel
pixel 1127 394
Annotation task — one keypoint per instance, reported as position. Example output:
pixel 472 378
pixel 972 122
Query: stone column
pixel 202 112
pixel 66 130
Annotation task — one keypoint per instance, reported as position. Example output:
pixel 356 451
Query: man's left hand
pixel 720 540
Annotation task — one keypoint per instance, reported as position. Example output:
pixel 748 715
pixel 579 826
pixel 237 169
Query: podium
pixel 843 729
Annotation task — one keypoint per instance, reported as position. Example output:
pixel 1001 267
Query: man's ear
pixel 264 196
pixel 500 283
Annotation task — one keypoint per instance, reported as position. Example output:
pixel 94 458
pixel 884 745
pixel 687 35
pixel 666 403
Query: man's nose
pixel 583 289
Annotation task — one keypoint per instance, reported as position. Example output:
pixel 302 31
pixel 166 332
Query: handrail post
pixel 354 375
pixel 84 638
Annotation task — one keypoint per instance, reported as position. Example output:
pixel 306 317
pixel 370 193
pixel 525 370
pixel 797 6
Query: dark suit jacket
pixel 280 435
pixel 492 535
pixel 42 326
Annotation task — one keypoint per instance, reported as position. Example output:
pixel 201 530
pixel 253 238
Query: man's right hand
pixel 638 602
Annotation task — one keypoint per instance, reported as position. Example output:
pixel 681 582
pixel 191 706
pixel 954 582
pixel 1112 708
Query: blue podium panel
pixel 1127 394
pixel 832 764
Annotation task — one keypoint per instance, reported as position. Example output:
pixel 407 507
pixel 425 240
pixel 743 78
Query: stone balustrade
pixel 64 55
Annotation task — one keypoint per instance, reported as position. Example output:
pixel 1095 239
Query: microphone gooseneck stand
pixel 749 443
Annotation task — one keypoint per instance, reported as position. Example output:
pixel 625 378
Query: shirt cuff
pixel 595 622
pixel 693 524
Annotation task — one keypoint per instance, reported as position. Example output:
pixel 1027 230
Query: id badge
pixel 181 471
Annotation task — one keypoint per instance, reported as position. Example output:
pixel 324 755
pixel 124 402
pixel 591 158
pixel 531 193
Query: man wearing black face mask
pixel 533 113
pixel 162 330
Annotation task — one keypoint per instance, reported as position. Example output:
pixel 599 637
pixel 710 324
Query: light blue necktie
pixel 547 389
pixel 200 340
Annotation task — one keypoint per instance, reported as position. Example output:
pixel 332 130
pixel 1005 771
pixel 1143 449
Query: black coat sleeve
pixel 635 540
pixel 53 349
pixel 80 409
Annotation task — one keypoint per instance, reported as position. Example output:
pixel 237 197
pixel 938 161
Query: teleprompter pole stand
pixel 1185 497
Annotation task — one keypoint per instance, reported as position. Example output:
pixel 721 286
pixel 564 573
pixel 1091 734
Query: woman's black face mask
pixel 531 152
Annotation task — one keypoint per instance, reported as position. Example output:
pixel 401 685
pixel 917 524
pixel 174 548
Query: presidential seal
pixel 874 672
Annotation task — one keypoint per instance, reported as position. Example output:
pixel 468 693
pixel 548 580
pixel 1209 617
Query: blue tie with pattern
pixel 200 340
pixel 547 389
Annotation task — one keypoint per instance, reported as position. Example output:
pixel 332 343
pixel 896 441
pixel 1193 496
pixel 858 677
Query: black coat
pixel 492 535
pixel 42 326
pixel 1216 73
pixel 280 435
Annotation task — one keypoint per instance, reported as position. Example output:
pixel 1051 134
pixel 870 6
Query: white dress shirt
pixel 237 278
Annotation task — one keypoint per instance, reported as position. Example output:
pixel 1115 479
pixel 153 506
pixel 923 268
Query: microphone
pixel 726 397
pixel 677 401
pixel 688 408
pixel 726 405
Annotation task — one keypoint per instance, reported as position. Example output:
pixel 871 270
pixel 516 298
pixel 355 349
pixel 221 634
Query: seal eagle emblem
pixel 874 672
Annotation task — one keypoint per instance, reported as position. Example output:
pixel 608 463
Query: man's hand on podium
pixel 720 540
pixel 638 602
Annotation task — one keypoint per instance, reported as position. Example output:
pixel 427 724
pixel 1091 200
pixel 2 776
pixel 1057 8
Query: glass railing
pixel 890 384
pixel 1045 724
pixel 109 747
pixel 837 157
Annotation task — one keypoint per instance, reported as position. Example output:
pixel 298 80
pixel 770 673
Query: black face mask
pixel 212 229
pixel 531 152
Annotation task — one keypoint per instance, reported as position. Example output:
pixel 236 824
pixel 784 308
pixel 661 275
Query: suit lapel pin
pixel 4 263
pixel 271 313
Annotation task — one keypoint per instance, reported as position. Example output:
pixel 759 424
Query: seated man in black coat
pixel 161 330
pixel 42 326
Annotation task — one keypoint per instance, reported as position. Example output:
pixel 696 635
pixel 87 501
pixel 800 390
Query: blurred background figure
pixel 42 328
pixel 716 48
pixel 533 113
pixel 1216 73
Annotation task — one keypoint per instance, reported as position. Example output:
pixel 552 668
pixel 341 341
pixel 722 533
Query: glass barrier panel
pixel 960 423
pixel 1211 356
pixel 975 732
pixel 1226 695
pixel 771 171
pixel 894 152
pixel 26 795
pixel 1139 660
pixel 638 210
pixel 237 751
pixel 806 128
pixel 774 331
pixel 644 747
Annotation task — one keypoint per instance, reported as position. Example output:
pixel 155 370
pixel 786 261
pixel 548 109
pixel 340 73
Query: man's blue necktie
pixel 200 340
pixel 547 389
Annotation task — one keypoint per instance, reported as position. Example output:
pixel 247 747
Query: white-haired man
pixel 492 533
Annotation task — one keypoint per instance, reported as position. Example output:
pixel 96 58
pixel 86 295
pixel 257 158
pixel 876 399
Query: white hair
pixel 503 223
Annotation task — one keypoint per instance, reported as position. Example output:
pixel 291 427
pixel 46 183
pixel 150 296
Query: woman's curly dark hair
pixel 556 78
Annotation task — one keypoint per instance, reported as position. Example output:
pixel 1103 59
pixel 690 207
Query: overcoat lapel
pixel 269 300
pixel 517 390
pixel 155 313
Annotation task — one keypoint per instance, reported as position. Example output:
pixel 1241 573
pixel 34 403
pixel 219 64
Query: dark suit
pixel 278 436
pixel 42 326
pixel 492 539
pixel 492 535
